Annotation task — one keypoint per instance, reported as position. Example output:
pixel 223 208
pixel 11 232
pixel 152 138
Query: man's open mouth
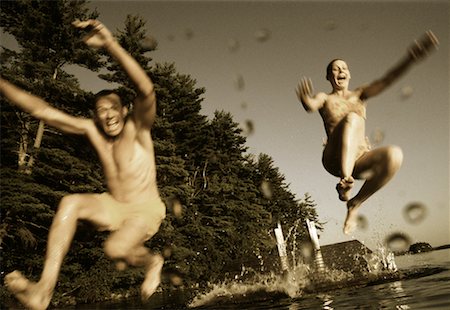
pixel 112 124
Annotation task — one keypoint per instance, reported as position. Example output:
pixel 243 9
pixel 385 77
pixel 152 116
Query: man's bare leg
pixel 381 164
pixel 30 294
pixel 38 295
pixel 126 245
pixel 152 279
pixel 153 264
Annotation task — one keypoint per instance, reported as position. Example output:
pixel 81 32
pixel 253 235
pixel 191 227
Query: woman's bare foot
pixel 351 221
pixel 30 294
pixel 344 187
pixel 152 277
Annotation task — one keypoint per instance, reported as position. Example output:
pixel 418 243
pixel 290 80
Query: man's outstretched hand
pixel 98 36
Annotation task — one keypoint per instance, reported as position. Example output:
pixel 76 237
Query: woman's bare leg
pixel 380 165
pixel 346 141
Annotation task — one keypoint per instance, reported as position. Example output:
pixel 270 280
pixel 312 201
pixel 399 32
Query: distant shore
pixel 446 246
pixel 422 248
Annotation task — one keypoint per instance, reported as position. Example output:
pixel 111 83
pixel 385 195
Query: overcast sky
pixel 250 55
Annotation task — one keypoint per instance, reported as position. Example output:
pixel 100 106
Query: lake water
pixel 421 282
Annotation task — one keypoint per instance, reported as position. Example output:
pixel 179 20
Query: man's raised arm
pixel 416 52
pixel 100 37
pixel 41 110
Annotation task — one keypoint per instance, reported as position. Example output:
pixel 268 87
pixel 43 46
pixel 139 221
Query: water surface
pixel 421 282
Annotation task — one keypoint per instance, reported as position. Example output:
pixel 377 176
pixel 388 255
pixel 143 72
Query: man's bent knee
pixel 70 204
pixel 115 249
pixel 132 233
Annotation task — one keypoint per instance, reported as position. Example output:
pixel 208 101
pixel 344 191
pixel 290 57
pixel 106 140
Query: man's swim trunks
pixel 152 212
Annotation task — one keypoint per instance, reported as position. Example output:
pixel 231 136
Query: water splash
pixel 380 261
pixel 306 248
pixel 269 284
pixel 303 277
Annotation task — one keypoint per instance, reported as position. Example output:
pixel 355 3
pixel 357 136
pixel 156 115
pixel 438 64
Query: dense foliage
pixel 230 200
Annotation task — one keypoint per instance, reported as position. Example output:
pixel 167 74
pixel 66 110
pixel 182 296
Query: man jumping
pixel 132 208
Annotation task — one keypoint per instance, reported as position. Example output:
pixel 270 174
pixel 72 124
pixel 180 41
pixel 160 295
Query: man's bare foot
pixel 152 277
pixel 351 221
pixel 343 188
pixel 30 294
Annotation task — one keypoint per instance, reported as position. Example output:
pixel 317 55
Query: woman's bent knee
pixel 395 157
pixel 353 118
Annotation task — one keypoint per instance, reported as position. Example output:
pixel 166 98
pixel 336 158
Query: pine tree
pixel 47 42
pixel 226 204
pixel 50 165
pixel 276 196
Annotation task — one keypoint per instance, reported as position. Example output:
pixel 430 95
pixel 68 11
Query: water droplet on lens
pixel 330 25
pixel 378 136
pixel 266 189
pixel 176 207
pixel 406 92
pixel 306 249
pixel 239 82
pixel 213 158
pixel 121 265
pixel 188 33
pixel 249 128
pixel 362 222
pixel 262 35
pixel 149 43
pixel 415 212
pixel 167 251
pixel 364 27
pixel 233 45
pixel 176 280
pixel 398 242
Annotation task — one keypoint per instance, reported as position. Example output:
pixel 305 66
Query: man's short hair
pixel 103 93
